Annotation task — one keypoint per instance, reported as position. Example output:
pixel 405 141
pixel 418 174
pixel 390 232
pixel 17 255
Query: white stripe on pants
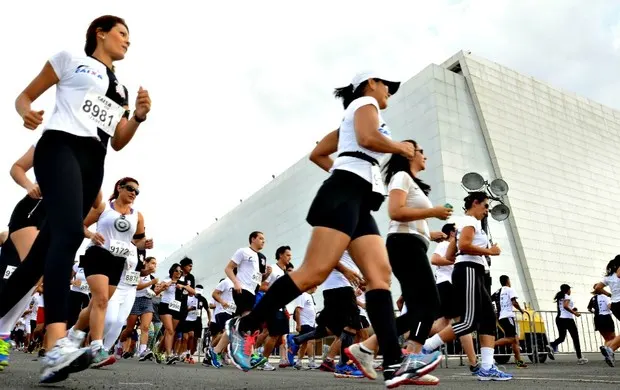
pixel 119 307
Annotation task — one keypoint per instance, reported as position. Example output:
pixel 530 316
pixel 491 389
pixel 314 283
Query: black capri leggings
pixel 69 170
pixel 407 253
pixel 564 325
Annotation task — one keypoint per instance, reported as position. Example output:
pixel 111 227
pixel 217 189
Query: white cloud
pixel 242 91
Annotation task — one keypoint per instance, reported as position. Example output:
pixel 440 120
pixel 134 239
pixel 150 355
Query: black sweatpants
pixel 69 171
pixel 407 253
pixel 564 325
pixel 473 300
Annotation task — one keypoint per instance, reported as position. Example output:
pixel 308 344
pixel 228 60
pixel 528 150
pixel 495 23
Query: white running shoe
pixel 62 360
pixel 363 360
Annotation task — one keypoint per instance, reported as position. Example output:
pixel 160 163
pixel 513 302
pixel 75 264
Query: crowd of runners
pixel 108 305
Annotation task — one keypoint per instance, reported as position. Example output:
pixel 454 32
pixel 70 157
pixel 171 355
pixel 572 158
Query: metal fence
pixel 535 329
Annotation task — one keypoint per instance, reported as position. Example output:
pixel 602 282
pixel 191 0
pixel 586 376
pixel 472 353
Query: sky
pixel 242 90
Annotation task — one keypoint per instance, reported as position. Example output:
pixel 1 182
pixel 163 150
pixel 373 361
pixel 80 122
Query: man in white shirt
pixel 506 315
pixel 305 318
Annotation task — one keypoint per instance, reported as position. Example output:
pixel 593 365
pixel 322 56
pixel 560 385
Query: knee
pixel 380 277
pixel 305 278
pixel 99 302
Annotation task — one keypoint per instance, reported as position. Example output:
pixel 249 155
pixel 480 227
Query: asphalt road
pixel 564 373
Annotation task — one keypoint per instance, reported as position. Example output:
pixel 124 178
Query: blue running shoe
pixel 240 347
pixel 419 364
pixel 493 374
pixel 216 359
pixel 292 349
pixel 348 370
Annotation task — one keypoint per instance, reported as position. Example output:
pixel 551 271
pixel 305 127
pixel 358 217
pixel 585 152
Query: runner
pixel 611 279
pixel 110 256
pixel 506 316
pixel 225 308
pixel 565 322
pixel 474 303
pixel 305 318
pixel 143 307
pixel 68 165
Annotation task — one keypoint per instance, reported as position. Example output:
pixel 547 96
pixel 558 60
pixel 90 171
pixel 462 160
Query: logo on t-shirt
pixel 88 70
pixel 121 224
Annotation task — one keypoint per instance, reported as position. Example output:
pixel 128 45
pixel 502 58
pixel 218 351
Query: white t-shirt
pixel 416 198
pixel 563 312
pixel 347 141
pixel 33 306
pixel 77 76
pixel 443 273
pixel 603 302
pixel 480 240
pixel 276 272
pixel 192 315
pixel 144 293
pixel 168 295
pixel 404 310
pixel 117 230
pixel 613 281
pixel 226 288
pixel 248 272
pixel 40 300
pixel 362 299
pixel 505 301
pixel 336 279
pixel 307 315
pixel 79 275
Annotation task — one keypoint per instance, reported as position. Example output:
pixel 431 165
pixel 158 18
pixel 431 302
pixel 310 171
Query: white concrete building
pixel 557 151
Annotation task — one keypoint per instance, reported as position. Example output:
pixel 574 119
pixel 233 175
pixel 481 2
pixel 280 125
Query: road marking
pixel 135 383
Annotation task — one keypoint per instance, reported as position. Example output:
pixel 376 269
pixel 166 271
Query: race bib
pixel 119 248
pixel 9 271
pixel 84 288
pixel 377 180
pixel 195 313
pixel 104 112
pixel 150 293
pixel 257 278
pixel 232 308
pixel 132 278
pixel 174 305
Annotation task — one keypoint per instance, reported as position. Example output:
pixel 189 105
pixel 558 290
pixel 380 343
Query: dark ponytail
pixel 347 94
pixel 398 163
pixel 103 23
pixel 612 266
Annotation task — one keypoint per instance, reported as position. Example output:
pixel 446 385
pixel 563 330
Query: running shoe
pixel 363 360
pixel 62 360
pixel 582 361
pixel 292 349
pixel 312 365
pixel 551 351
pixel 413 366
pixel 216 359
pixel 521 364
pixel 474 369
pixel 146 355
pixel 609 356
pixel 424 380
pixel 172 359
pixel 348 370
pixel 101 358
pixel 267 367
pixel 240 345
pixel 493 374
pixel 327 365
pixel 258 360
pixel 5 350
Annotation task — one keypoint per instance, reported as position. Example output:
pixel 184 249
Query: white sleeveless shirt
pixel 117 230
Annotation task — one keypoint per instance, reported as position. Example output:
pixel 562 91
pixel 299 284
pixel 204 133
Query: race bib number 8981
pixel 104 112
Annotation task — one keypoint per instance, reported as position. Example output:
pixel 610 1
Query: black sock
pixel 346 339
pixel 380 310
pixel 318 333
pixel 281 293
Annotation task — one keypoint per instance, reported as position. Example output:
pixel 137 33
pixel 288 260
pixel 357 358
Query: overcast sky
pixel 242 90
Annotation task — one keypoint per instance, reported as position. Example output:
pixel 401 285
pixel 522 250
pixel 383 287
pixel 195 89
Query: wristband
pixel 137 119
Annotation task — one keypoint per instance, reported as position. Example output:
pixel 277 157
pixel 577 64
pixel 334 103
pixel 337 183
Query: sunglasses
pixel 420 150
pixel 131 188
pixel 177 270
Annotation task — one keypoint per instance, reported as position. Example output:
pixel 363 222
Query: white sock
pixel 76 334
pixel 487 357
pixel 434 342
pixel 8 322
pixel 96 345
pixel 141 349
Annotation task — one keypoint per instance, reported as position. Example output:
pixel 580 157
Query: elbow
pixel 365 141
pixel 314 157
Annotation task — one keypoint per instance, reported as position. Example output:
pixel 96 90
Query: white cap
pixel 363 76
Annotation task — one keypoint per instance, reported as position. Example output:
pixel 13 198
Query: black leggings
pixel 69 171
pixel 567 324
pixel 411 267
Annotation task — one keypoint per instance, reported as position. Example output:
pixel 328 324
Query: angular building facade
pixel 557 152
